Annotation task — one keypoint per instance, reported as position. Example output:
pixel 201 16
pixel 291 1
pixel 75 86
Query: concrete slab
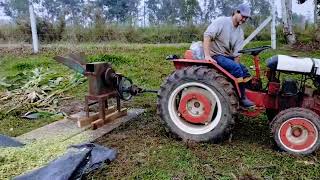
pixel 69 128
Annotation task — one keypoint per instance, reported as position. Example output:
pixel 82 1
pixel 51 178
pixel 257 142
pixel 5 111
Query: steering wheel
pixel 254 51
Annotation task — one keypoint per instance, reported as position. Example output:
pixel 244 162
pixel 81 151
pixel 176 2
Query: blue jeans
pixel 236 69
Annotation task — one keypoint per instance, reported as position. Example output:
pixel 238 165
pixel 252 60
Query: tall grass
pixel 10 33
pixel 49 33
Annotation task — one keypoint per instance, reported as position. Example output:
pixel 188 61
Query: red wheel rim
pixel 199 103
pixel 298 134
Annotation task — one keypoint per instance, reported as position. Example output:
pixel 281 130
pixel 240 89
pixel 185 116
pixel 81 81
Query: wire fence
pixel 155 38
pixel 168 34
pixel 52 38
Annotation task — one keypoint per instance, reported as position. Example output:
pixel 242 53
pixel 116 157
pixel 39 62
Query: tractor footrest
pixel 252 112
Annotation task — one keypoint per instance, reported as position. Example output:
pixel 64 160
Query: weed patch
pixel 116 60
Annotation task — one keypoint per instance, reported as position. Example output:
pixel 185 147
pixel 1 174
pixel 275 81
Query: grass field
pixel 146 151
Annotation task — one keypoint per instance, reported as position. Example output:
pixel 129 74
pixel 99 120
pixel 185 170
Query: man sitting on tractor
pixel 222 41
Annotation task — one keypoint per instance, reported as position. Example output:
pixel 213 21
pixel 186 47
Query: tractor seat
pixel 294 64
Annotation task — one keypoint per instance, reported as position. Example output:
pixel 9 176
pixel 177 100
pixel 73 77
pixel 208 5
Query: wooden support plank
pixel 252 35
pixel 80 115
pixel 110 117
pixel 87 121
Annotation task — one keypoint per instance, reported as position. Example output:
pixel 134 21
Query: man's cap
pixel 244 10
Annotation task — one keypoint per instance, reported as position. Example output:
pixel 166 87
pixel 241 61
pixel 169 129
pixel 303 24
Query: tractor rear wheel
pixel 296 131
pixel 198 104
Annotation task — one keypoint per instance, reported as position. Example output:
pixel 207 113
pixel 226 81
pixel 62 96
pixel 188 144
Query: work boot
pixel 244 101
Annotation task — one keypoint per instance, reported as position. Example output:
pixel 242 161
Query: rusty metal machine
pixel 104 84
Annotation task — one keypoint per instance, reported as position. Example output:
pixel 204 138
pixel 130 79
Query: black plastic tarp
pixel 6 141
pixel 79 160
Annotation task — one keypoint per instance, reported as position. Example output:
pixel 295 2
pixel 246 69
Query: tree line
pixel 133 12
pixel 113 20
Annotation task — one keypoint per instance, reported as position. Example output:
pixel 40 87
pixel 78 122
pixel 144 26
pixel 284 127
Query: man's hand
pixel 237 59
pixel 206 49
pixel 209 58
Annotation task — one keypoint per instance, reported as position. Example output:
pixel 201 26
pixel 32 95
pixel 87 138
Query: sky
pixel 2 15
pixel 305 9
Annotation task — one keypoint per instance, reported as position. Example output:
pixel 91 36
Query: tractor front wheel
pixel 198 104
pixel 296 131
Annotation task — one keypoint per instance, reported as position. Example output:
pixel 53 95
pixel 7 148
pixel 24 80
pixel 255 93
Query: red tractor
pixel 199 101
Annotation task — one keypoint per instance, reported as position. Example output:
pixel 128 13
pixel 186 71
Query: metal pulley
pixel 124 88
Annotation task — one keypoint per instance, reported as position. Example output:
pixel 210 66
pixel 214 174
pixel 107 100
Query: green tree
pixel 54 10
pixel 70 10
pixel 73 8
pixel 153 9
pixel 15 8
pixel 297 18
pixel 260 10
pixel 120 10
pixel 164 11
pixel 190 10
pixel 209 11
pixel 226 7
pixel 169 11
pixel 93 13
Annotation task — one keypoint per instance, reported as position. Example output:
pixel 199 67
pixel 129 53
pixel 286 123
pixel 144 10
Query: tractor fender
pixel 182 63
